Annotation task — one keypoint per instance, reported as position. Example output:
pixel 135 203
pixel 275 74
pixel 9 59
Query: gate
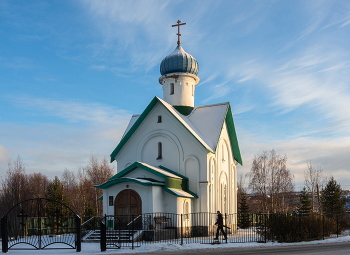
pixel 40 223
pixel 119 231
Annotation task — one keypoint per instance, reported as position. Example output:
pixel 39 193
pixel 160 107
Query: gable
pixel 128 134
pixel 204 123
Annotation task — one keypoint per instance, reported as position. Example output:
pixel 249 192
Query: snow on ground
pixel 94 248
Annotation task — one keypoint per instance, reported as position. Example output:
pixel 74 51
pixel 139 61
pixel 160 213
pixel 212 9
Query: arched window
pixel 171 88
pixel 159 150
pixel 186 209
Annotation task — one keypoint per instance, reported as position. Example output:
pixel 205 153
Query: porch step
pixel 122 235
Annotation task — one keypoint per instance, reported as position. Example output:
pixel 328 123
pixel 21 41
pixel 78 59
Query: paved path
pixel 307 249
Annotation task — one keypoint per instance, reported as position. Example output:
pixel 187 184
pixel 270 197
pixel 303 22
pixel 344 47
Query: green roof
pixel 171 179
pixel 233 136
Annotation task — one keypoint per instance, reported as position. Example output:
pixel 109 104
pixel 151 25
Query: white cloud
pixel 48 147
pixel 4 154
pixel 331 154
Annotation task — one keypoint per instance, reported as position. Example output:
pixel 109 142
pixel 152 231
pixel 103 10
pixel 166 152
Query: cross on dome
pixel 178 30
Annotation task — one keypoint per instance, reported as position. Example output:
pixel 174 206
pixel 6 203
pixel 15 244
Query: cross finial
pixel 178 30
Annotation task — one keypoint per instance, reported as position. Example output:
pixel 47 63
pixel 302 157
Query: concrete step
pixel 122 235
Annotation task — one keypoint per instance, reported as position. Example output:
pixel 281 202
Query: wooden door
pixel 127 204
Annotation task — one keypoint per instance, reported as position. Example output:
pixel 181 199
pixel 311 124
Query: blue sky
pixel 73 72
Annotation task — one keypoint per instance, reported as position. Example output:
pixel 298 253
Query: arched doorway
pixel 128 204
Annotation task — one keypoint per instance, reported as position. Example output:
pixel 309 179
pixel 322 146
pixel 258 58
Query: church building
pixel 176 157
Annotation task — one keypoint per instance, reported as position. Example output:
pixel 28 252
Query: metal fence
pixel 118 231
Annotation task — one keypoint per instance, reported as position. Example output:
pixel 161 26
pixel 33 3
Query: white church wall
pixel 170 203
pixel 170 153
pixel 226 175
pixel 143 145
pixel 158 195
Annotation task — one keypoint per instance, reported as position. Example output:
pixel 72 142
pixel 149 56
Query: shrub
pixel 292 227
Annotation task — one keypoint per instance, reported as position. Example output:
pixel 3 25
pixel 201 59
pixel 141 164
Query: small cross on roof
pixel 178 30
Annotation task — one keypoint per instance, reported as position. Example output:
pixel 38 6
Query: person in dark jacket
pixel 220 223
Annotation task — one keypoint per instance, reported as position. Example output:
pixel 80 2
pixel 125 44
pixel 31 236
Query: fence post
pixel 78 235
pixel 225 223
pixel 103 245
pixel 265 220
pixel 337 226
pixel 132 232
pixel 323 226
pixel 181 231
pixel 4 234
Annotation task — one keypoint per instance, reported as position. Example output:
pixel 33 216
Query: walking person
pixel 220 223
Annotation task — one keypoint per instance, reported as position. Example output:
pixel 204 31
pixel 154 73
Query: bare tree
pixel 71 189
pixel 98 173
pixel 38 183
pixel 15 185
pixel 314 182
pixel 271 182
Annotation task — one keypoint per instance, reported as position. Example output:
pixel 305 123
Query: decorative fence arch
pixel 40 223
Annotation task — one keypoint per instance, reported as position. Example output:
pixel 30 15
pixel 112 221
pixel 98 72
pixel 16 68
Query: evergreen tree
pixel 331 199
pixel 243 212
pixel 55 210
pixel 89 211
pixel 305 202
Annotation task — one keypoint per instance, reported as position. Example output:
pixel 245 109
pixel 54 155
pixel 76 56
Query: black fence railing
pixel 121 231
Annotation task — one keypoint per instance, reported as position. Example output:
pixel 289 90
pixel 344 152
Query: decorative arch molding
pixel 186 206
pixel 224 142
pixel 212 169
pixel 194 175
pixel 192 157
pixel 233 179
pixel 212 179
pixel 128 163
pixel 223 194
pixel 164 133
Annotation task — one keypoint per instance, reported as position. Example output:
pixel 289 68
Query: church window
pixel 159 119
pixel 223 153
pixel 171 88
pixel 159 151
pixel 110 198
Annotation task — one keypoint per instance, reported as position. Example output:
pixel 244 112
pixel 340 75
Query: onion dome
pixel 179 61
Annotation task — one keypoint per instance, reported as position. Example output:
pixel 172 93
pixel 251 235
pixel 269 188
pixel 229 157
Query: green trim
pixel 113 182
pixel 135 165
pixel 133 128
pixel 173 172
pixel 175 183
pixel 100 198
pixel 233 136
pixel 173 193
pixel 184 110
pixel 192 193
